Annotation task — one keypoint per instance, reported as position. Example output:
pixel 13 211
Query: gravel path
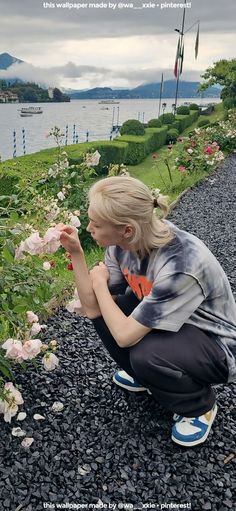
pixel 108 448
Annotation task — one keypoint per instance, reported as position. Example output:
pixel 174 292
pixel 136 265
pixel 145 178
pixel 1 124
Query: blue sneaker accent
pixel 126 381
pixel 190 431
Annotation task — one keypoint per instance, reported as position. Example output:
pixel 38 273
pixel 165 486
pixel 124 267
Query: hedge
pixel 186 120
pixel 140 146
pixel 111 152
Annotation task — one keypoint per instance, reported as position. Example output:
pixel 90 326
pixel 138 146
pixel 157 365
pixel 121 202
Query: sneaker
pixel 190 431
pixel 126 381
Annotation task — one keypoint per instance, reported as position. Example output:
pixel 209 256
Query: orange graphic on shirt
pixel 139 284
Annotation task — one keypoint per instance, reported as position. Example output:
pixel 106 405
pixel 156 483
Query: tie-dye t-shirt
pixel 180 283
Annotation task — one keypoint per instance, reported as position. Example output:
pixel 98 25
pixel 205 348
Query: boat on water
pixel 25 114
pixel 108 102
pixel 31 110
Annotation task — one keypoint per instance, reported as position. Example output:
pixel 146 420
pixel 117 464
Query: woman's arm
pixel 125 330
pixel 70 241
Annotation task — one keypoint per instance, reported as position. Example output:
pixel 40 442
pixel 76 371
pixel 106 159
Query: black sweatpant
pixel 178 367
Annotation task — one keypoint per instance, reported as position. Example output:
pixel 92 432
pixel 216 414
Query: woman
pixel 161 304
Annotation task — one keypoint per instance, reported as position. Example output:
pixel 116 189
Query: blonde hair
pixel 125 200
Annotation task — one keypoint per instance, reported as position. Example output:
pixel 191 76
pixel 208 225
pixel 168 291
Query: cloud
pixel 83 48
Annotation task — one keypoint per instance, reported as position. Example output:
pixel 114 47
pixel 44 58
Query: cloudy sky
pixel 118 44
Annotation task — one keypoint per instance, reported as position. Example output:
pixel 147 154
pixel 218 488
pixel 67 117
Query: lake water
pixel 84 118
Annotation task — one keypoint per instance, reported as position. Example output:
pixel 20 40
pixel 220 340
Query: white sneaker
pixel 190 431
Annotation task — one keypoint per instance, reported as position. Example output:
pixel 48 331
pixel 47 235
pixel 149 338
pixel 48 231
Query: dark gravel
pixel 111 445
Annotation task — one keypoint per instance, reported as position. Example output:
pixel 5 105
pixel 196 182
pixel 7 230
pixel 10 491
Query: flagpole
pixel 181 47
pixel 161 90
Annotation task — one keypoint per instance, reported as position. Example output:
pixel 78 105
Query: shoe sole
pixel 201 440
pixel 127 387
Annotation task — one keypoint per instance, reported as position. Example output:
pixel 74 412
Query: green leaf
pixel 14 216
pixel 20 308
pixel 7 255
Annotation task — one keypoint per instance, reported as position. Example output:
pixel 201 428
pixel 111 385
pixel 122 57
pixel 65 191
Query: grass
pixel 154 172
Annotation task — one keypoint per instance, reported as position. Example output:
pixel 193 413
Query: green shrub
pixel 193 106
pixel 7 183
pixel 229 103
pixel 110 151
pixel 154 123
pixel 183 110
pixel 203 122
pixel 172 136
pixel 186 120
pixel 132 127
pixel 139 147
pixel 176 125
pixel 167 118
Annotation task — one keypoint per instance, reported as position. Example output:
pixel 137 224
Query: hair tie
pixel 155 194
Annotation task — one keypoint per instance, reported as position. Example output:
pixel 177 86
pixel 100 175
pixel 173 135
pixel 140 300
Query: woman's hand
pixel 99 274
pixel 69 239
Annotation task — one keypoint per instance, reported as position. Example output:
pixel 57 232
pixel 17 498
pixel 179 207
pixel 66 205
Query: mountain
pixel 146 91
pixel 143 91
pixel 7 60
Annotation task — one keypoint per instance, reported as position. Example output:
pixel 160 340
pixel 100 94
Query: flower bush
pixel 197 154
pixel 29 235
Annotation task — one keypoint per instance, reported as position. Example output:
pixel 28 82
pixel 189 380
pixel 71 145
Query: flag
pixel 197 42
pixel 179 58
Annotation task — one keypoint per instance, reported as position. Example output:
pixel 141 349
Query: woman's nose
pixel 88 227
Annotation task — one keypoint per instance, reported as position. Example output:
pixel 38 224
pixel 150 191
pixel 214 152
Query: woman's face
pixel 105 234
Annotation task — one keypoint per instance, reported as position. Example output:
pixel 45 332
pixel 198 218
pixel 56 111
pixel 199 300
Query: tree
pixel 222 73
pixel 30 95
pixel 57 95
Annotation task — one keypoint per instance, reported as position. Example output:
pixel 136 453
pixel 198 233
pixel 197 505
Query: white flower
pixel 61 196
pixel 46 266
pixel 50 361
pixel 92 160
pixel 9 405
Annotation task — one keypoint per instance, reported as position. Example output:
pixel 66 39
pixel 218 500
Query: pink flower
pixel 208 150
pixel 154 156
pixel 31 348
pixel 19 251
pixel 50 361
pixel 31 317
pixel 12 398
pixel 182 169
pixel 34 244
pixel 52 240
pixel 74 221
pixel 13 349
pixel 36 328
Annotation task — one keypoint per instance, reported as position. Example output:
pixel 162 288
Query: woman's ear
pixel 128 232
